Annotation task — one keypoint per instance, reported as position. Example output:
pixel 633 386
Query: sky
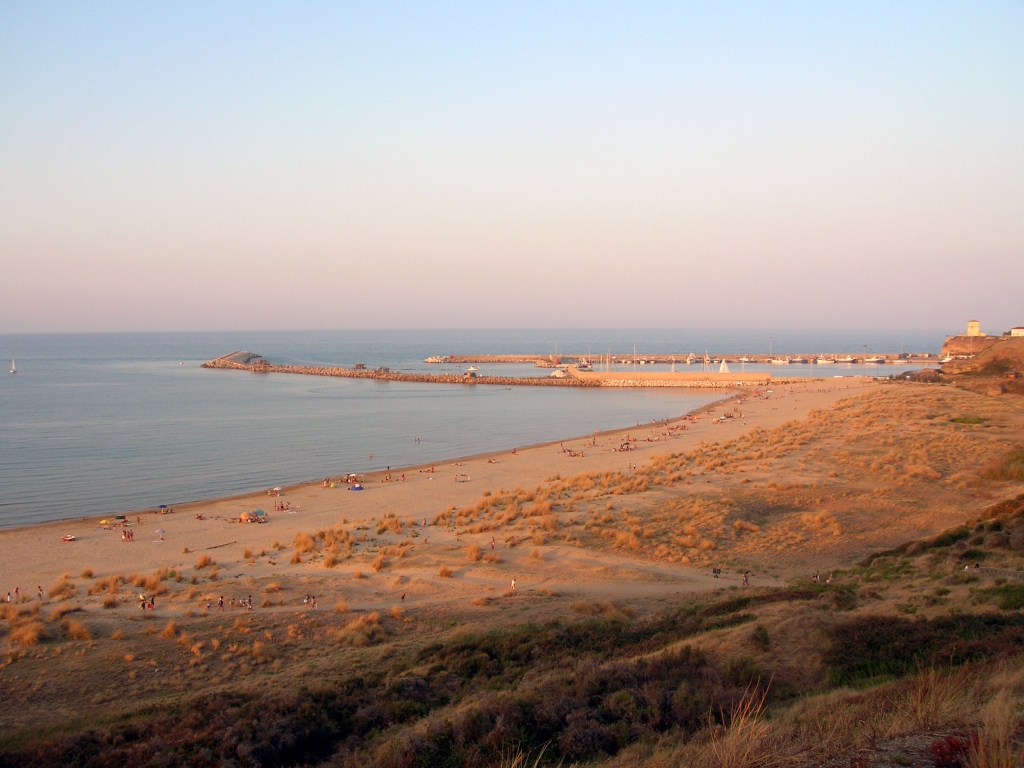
pixel 217 166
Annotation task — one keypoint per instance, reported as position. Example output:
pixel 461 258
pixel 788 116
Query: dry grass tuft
pixel 76 630
pixel 445 572
pixel 378 562
pixel 273 586
pixel 87 573
pixel 28 633
pixel 110 601
pixel 481 601
pixel 203 562
pixel 358 575
pixel 63 610
pixel 170 630
pixel 62 589
pixel 361 632
pixel 341 606
pixel 995 746
pixel 607 609
pixel 397 612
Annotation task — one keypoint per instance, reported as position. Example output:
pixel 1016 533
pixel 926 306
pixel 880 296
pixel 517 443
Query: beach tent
pixel 259 514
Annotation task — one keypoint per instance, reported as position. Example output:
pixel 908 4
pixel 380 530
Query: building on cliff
pixel 969 344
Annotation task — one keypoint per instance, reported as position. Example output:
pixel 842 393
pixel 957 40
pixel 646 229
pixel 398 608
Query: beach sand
pixel 36 556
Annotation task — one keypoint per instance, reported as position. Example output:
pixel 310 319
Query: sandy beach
pixel 36 555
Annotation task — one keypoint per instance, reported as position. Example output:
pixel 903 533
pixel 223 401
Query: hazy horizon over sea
pixel 107 423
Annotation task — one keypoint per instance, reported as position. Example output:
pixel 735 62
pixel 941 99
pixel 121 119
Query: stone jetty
pixel 249 361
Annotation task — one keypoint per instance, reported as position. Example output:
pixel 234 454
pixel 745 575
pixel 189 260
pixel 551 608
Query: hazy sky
pixel 178 166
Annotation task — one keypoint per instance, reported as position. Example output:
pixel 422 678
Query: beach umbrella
pixel 119 517
pixel 159 530
pixel 162 506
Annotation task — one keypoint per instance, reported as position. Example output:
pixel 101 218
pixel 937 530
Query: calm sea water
pixel 97 424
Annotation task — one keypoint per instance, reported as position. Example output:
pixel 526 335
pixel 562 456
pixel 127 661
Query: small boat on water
pixel 898 361
pixel 746 360
pixel 779 361
pixel 846 359
pixel 799 360
pixel 689 359
pixel 874 360
pixel 14 368
pixel 824 361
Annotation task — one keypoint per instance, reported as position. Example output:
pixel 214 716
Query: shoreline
pixel 171 540
pixel 376 474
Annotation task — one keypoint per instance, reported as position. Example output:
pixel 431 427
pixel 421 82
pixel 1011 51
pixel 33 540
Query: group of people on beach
pixel 127 534
pixel 816 578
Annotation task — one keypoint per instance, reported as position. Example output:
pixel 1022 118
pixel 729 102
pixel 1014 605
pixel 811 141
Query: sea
pixel 96 424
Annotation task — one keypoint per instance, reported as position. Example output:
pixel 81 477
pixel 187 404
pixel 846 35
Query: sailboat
pixel 14 368
pixel 723 368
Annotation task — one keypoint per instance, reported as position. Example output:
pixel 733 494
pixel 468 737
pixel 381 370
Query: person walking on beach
pixel 815 578
pixel 40 593
pixel 746 579
pixel 220 603
pixel 513 585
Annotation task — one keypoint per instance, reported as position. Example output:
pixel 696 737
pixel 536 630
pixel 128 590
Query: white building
pixel 1018 331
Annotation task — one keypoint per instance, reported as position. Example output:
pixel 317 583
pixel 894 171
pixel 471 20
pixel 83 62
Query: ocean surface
pixel 106 423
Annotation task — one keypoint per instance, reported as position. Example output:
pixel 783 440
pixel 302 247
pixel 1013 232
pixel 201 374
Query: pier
pixel 249 361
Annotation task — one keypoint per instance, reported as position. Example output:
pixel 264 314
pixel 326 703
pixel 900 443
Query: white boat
pixel 898 361
pixel 746 360
pixel 14 368
pixel 874 360
pixel 846 359
pixel 824 361
pixel 779 361
pixel 798 360
pixel 723 368
pixel 558 373
pixel 947 359
pixel 690 358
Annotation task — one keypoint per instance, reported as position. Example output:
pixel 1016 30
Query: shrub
pixel 378 562
pixel 1011 596
pixel 341 606
pixel 1010 467
pixel 203 561
pixel 474 553
pixel 170 630
pixel 445 572
pixel 110 601
pixel 87 573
